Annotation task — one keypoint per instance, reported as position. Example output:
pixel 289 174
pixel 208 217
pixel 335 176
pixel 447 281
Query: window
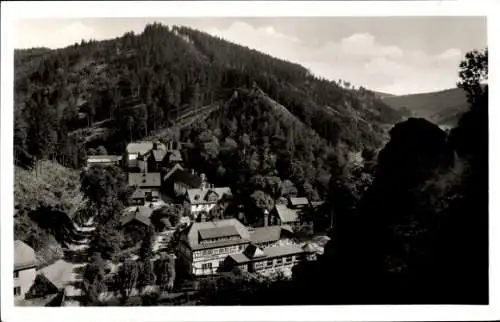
pixel 17 290
pixel 288 260
pixel 16 274
pixel 270 262
pixel 221 263
pixel 279 261
pixel 206 266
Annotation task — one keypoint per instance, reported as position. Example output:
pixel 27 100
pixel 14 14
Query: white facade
pixel 207 261
pixel 23 279
pixel 202 207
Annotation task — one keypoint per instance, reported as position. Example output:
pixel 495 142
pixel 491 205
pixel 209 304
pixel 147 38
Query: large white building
pixel 207 247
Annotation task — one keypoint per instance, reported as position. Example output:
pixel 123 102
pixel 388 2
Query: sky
pixel 396 55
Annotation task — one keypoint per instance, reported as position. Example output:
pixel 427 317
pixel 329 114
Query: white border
pixel 17 10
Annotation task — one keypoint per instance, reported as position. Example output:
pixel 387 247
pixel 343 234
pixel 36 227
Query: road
pixel 67 272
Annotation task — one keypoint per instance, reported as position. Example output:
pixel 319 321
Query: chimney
pixel 266 218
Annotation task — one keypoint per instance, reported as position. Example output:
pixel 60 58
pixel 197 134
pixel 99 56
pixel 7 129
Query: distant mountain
pixel 442 108
pixel 383 95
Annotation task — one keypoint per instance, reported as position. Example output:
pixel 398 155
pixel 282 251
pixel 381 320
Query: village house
pixel 205 199
pixel 148 183
pixel 24 269
pixel 291 215
pixel 104 160
pixel 148 156
pixel 135 223
pixel 178 181
pixel 205 248
pixel 138 198
pixel 136 149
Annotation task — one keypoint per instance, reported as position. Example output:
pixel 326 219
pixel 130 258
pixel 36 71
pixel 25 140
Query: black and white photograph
pixel 246 160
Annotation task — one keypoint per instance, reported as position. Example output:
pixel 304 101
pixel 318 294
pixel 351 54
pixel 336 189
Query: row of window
pixel 213 240
pixel 17 290
pixel 279 261
pixel 209 265
pixel 217 251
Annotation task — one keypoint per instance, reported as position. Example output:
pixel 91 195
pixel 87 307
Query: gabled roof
pixel 265 234
pixel 199 196
pixel 158 154
pixel 253 251
pixel 301 201
pixel 137 217
pixel 187 178
pixel 138 193
pixel 24 256
pixel 286 214
pixel 191 235
pixel 149 179
pixel 174 169
pixel 57 272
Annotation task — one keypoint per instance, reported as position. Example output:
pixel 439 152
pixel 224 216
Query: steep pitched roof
pixel 135 216
pixel 150 179
pixel 187 178
pixel 253 251
pixel 158 154
pixel 191 235
pixel 265 234
pixel 301 201
pixel 199 196
pixel 58 272
pixel 24 256
pixel 174 169
pixel 287 214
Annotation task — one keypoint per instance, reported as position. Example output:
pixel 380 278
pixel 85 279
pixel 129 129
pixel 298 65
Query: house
pixel 286 217
pixel 203 200
pixel 139 214
pixel 178 181
pixel 142 148
pixel 149 183
pixel 206 248
pixel 138 198
pixel 298 203
pixel 257 260
pixel 104 160
pixel 203 246
pixel 24 269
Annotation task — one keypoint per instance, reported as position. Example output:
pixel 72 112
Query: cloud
pixel 357 58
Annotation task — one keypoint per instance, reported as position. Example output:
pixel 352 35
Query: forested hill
pixel 108 93
pixel 442 107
